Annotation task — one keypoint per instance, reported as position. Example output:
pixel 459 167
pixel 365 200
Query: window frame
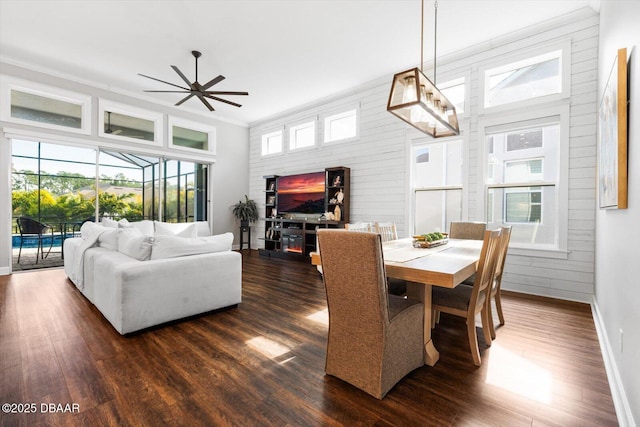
pixel 416 140
pixel 211 132
pixel 266 135
pixel 313 123
pixel 337 115
pixel 105 105
pixel 8 84
pixel 523 118
pixel 565 75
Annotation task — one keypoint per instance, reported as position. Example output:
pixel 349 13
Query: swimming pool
pixel 30 242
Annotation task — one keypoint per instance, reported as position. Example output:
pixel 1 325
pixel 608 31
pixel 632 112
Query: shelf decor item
pixel 245 211
pixel 612 137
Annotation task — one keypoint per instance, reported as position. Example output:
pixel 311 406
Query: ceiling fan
pixel 197 89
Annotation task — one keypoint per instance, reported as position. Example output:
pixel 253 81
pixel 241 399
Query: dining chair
pixel 468 301
pixel 505 236
pixel 29 228
pixel 467 230
pixel 386 230
pixel 375 339
pixel 359 226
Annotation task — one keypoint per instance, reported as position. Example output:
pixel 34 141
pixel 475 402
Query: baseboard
pixel 620 401
pixel 4 271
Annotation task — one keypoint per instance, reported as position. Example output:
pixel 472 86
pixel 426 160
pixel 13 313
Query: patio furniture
pixel 29 228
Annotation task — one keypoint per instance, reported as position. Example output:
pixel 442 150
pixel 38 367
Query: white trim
pixel 191 125
pixel 8 84
pixel 128 110
pixel 620 400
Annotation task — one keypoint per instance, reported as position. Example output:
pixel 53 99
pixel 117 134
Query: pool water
pixel 30 242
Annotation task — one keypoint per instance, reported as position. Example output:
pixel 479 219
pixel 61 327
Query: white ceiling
pixel 284 53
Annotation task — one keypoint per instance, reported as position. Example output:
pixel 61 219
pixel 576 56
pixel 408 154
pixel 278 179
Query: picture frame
pixel 612 137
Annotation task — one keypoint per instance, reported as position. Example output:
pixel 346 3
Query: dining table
pixel 446 265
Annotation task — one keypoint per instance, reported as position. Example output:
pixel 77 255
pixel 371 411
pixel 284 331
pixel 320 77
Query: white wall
pixel 228 170
pixel 380 165
pixel 617 297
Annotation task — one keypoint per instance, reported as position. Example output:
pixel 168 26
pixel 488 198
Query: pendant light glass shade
pixel 417 101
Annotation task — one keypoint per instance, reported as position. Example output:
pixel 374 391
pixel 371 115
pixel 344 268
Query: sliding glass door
pixel 62 186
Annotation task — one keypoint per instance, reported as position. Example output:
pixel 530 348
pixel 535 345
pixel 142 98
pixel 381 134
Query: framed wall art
pixel 612 137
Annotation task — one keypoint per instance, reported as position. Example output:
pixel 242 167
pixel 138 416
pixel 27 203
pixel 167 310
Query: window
pixel 303 135
pixel 48 107
pixel 454 90
pixel 437 185
pixel 272 143
pixel 127 123
pixel 191 136
pixel 522 181
pixel 523 80
pixel 341 126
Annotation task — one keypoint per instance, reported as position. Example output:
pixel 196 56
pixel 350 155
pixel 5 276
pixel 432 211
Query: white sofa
pixel 174 271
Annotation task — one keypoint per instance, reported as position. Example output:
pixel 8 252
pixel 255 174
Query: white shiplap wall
pixel 379 158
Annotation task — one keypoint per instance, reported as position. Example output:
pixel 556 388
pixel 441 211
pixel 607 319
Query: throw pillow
pixel 180 229
pixel 109 239
pixel 134 244
pixel 109 223
pixel 145 226
pixel 172 246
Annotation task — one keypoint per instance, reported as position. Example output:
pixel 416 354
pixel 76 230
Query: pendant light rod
pixel 422 36
pixel 435 39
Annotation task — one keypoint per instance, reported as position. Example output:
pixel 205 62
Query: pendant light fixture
pixel 417 100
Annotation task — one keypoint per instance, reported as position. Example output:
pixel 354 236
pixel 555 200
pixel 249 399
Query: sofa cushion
pixel 180 229
pixel 108 237
pixel 134 244
pixel 172 246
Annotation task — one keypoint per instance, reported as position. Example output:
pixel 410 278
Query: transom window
pixel 530 78
pixel 454 90
pixel 272 143
pixel 44 106
pixel 341 126
pixel 302 135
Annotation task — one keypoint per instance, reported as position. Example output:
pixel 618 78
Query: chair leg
pixel 486 325
pixel 20 250
pixel 491 326
pixel 50 246
pixel 499 307
pixel 473 340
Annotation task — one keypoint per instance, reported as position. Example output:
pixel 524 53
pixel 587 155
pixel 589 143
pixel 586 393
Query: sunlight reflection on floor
pixel 321 316
pixel 516 374
pixel 267 347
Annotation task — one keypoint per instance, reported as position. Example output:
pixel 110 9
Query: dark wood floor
pixel 262 363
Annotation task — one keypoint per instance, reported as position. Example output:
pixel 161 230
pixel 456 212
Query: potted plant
pixel 246 211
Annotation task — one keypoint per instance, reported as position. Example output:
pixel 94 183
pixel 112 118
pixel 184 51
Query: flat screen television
pixel 302 193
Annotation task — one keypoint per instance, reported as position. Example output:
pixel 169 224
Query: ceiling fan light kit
pixel 196 89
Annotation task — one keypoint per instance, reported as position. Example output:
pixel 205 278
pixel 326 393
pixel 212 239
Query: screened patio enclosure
pixel 63 186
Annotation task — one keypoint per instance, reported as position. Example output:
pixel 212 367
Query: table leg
pixel 422 292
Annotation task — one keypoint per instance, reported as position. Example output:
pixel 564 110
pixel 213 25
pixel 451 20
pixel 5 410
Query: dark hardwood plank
pixel 262 363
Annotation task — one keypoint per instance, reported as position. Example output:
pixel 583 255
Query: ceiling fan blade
pixel 168 91
pixel 185 99
pixel 162 81
pixel 213 92
pixel 223 100
pixel 213 82
pixel 182 76
pixel 204 101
